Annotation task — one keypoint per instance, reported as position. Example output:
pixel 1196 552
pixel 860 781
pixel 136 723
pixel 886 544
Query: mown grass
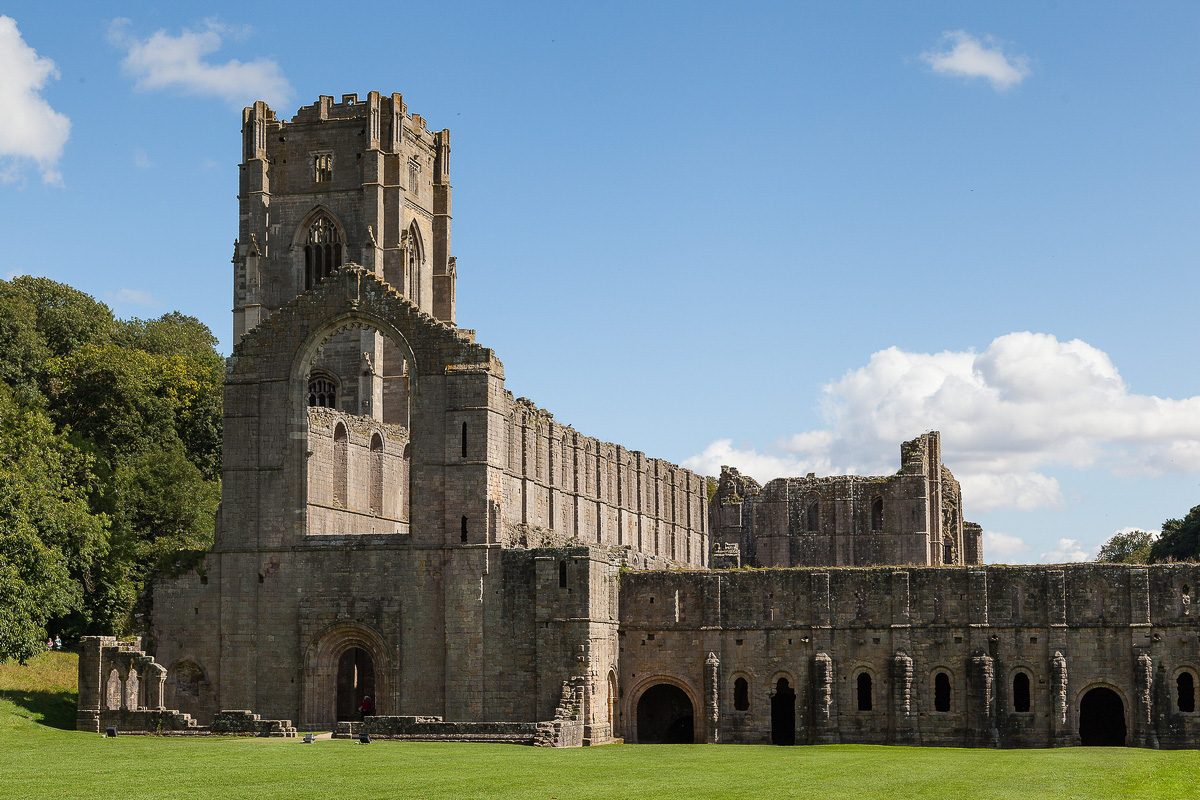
pixel 40 759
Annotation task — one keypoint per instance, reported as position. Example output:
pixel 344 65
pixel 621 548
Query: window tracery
pixel 322 251
pixel 322 392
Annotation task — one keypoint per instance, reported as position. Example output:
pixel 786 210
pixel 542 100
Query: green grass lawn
pixel 40 756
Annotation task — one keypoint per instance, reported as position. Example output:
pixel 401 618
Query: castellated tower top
pixel 356 180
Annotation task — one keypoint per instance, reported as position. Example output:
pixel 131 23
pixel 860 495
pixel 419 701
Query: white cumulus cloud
pixel 962 55
pixel 1008 416
pixel 163 61
pixel 1069 550
pixel 1000 547
pixel 30 130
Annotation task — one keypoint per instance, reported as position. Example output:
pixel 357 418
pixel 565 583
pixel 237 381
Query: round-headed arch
pixel 645 685
pixel 321 666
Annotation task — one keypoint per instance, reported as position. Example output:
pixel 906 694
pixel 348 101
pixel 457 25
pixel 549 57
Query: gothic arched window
pixel 414 258
pixel 322 251
pixel 322 392
pixel 877 514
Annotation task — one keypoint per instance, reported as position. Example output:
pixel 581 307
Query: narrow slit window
pixel 463 442
pixel 562 574
pixel 877 514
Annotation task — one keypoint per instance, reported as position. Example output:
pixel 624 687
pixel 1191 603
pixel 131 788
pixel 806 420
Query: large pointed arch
pixel 269 373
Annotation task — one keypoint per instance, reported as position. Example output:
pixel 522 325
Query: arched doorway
pixel 665 716
pixel 1101 719
pixel 783 713
pixel 355 680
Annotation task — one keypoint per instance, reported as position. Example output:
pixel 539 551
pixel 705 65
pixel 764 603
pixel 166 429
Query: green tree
pixel 49 537
pixel 117 421
pixel 1180 539
pixel 66 318
pixel 1127 547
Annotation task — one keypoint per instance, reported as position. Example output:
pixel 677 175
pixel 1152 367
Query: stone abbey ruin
pixel 396 524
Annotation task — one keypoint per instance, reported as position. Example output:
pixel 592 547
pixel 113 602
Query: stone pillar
pixel 983 673
pixel 826 731
pixel 712 665
pixel 156 682
pixel 902 717
pixel 1060 734
pixel 1144 732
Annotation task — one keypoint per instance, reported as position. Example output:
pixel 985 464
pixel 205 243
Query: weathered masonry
pixel 912 517
pixel 970 657
pixel 396 524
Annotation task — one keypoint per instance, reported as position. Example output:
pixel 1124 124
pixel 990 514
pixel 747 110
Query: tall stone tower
pixel 356 181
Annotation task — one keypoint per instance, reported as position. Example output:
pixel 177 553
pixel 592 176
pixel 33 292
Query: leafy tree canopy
pixel 1180 539
pixel 110 457
pixel 1127 547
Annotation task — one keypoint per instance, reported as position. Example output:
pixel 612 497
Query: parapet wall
pixel 562 485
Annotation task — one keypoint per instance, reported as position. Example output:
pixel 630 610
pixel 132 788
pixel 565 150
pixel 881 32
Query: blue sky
pixel 783 236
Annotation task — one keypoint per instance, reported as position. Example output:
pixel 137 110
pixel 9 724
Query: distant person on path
pixel 58 643
pixel 366 708
pixel 49 643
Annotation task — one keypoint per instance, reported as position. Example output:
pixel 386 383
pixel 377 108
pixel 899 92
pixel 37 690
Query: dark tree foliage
pixel 1180 539
pixel 1128 547
pixel 110 442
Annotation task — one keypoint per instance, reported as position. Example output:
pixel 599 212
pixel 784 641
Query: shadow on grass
pixel 56 709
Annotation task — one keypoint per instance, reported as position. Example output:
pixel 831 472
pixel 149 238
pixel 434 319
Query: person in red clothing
pixel 366 708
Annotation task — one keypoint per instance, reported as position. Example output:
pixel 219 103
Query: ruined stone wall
pixel 359 483
pixel 912 517
pixel 1068 629
pixel 561 485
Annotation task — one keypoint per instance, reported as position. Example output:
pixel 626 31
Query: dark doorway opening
pixel 1101 719
pixel 941 693
pixel 783 713
pixel 1020 692
pixel 665 716
pixel 355 680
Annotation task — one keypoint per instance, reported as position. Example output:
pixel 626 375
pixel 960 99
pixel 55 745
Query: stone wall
pixel 357 483
pixel 1067 629
pixel 912 517
pixel 387 194
pixel 561 485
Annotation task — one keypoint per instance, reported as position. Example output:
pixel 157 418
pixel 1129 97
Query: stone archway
pixel 345 663
pixel 355 681
pixel 665 715
pixel 1102 718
